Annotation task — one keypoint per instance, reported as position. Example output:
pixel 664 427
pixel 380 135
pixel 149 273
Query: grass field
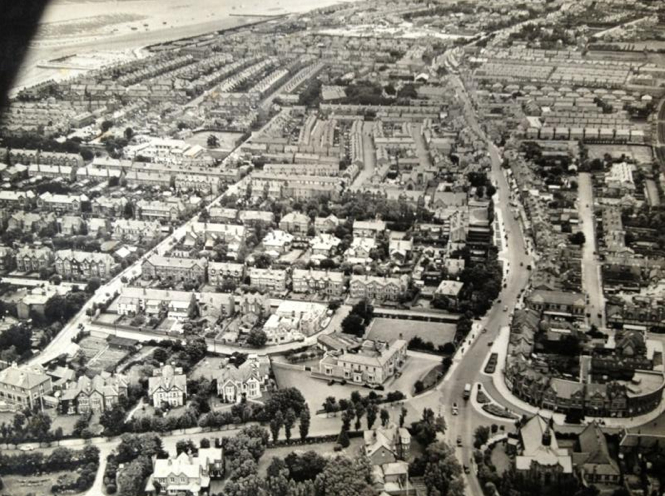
pixel 227 140
pixel 390 329
pixel 38 485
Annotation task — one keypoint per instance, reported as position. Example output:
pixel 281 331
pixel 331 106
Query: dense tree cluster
pixel 135 453
pixel 30 463
pixel 358 319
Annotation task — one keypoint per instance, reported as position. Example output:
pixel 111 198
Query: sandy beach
pixel 72 27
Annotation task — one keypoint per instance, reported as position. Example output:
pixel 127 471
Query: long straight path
pixel 591 277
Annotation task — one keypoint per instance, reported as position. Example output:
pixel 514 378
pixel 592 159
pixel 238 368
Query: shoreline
pixel 42 51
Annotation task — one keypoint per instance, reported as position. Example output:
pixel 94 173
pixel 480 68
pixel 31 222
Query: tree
pixel 343 438
pixel 481 436
pixel 385 417
pixel 106 125
pixel 360 412
pixel 305 421
pixel 257 338
pixel 276 424
pixel 213 141
pixel 372 412
pixel 93 285
pixel 193 312
pixel 402 416
pixel 330 405
pixel 443 473
pixel 577 238
pixel 345 477
pixel 129 133
pixel 129 210
pixel 289 421
pixel 113 420
pixel 353 324
pixel 38 425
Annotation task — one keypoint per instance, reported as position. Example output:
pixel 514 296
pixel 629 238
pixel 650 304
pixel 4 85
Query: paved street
pixel 368 155
pixel 468 370
pixel 591 278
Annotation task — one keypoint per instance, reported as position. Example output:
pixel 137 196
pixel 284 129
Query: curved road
pixel 469 369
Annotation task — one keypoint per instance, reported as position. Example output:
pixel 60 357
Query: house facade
pixel 82 265
pixel 24 387
pixel 373 364
pixel 94 395
pixel 318 281
pixel 167 387
pixel 376 288
pixel 247 381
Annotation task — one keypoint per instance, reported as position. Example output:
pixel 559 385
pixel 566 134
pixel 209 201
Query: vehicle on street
pixel 505 308
pixel 467 391
pixel 459 440
pixel 455 409
pixel 467 470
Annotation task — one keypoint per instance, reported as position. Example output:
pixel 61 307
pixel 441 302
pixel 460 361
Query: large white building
pixel 374 363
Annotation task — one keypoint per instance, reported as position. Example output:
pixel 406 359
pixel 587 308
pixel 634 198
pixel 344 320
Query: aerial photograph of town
pixel 332 248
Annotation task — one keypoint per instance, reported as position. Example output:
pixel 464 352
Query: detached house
pixel 374 363
pixel 247 381
pixel 186 474
pixel 167 386
pixel 326 224
pixel 384 445
pixel 295 223
pixel 24 387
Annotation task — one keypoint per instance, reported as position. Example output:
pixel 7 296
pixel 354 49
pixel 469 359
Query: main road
pixel 515 259
pixel 591 278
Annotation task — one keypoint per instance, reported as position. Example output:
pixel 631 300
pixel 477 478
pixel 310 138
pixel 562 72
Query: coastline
pixel 46 49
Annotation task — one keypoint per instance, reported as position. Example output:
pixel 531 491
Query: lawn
pixel 390 329
pixel 321 449
pixel 38 485
pixel 641 154
pixel 314 390
pixel 66 422
pixel 499 458
pixel 207 367
pixel 432 377
pixel 227 140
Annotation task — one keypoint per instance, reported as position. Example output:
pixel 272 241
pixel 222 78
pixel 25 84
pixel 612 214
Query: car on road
pixel 459 440
pixel 455 409
pixel 505 308
pixel 467 470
